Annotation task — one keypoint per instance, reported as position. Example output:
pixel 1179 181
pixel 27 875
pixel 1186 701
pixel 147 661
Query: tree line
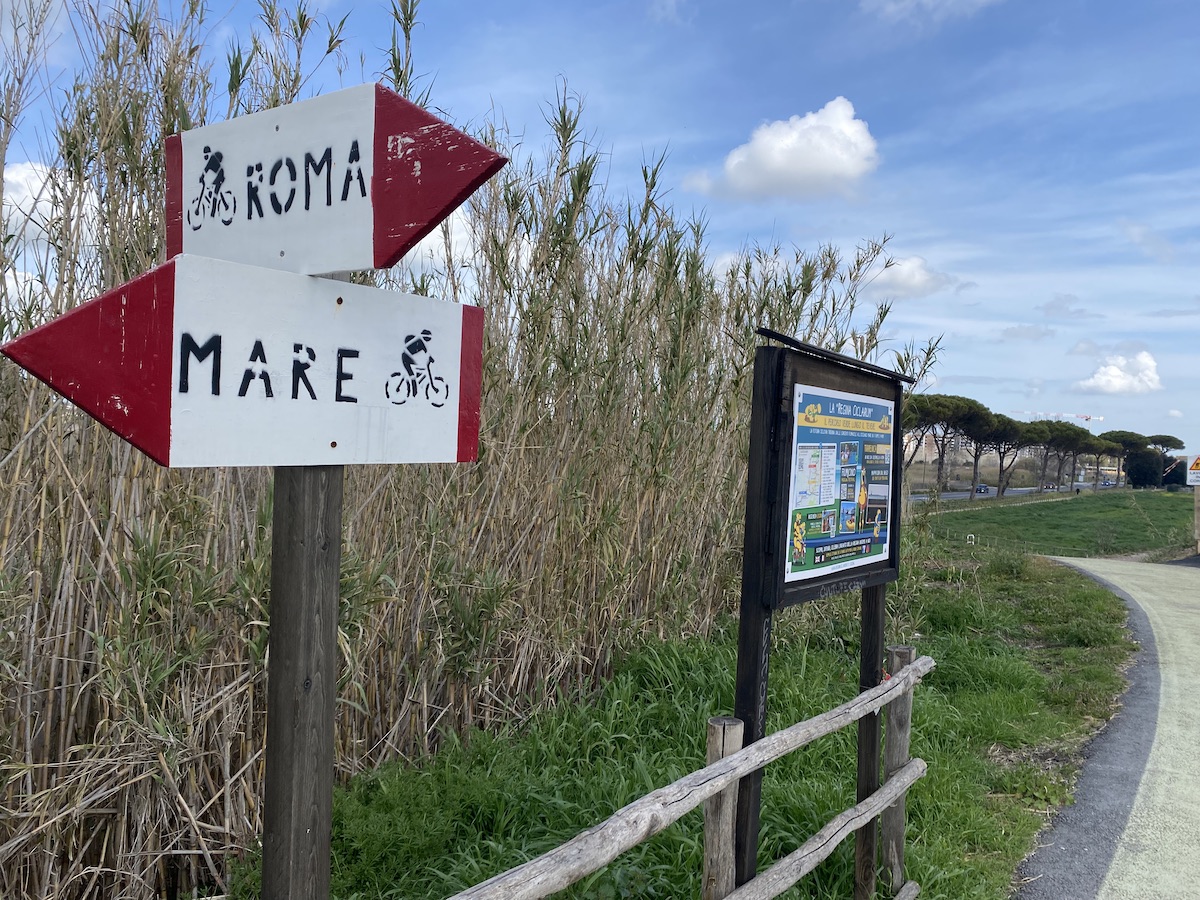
pixel 946 419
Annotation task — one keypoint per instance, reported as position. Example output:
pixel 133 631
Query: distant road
pixel 1011 492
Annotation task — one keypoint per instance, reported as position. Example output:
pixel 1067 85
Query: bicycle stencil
pixel 417 378
pixel 214 201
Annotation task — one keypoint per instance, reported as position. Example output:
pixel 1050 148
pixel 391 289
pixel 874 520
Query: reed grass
pixel 606 505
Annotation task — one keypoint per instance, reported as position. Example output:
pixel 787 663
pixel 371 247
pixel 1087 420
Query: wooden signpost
pixel 822 518
pixel 217 358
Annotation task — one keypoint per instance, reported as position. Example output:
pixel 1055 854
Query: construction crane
pixel 1057 416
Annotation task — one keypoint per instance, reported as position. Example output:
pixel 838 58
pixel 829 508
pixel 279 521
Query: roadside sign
pixel 202 362
pixel 344 181
pixel 823 492
pixel 1193 472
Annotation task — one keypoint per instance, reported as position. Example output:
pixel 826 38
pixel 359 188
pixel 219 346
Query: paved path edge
pixel 1073 853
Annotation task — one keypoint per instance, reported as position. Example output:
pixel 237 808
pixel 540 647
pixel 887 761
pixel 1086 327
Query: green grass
pixel 1028 659
pixel 1107 523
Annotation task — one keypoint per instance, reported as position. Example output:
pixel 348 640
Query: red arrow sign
pixel 312 372
pixel 345 181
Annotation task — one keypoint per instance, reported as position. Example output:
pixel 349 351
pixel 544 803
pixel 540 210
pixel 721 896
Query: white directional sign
pixel 202 362
pixel 344 181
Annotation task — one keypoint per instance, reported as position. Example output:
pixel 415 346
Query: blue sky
pixel 1037 163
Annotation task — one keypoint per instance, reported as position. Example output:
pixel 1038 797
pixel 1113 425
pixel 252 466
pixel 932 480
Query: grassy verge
pixel 1108 523
pixel 1029 659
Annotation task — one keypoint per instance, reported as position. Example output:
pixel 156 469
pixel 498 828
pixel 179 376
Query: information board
pixel 839 501
pixel 823 481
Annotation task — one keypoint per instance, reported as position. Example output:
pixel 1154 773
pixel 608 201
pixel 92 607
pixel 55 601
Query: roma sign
pixel 345 181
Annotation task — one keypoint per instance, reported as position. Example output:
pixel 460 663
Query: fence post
pixel 724 739
pixel 895 756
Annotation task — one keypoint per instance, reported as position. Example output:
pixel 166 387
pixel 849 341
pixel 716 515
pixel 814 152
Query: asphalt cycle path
pixel 1134 829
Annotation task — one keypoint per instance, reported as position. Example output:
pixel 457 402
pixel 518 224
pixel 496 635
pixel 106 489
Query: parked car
pixel 982 489
pixel 1106 483
pixel 1049 487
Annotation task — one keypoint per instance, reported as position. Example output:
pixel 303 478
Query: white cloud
pixel 27 202
pixel 443 260
pixel 909 277
pixel 666 10
pixel 937 10
pixel 39 209
pixel 1151 243
pixel 1137 374
pixel 1026 333
pixel 450 243
pixel 1174 414
pixel 822 152
pixel 1065 306
pixel 1175 313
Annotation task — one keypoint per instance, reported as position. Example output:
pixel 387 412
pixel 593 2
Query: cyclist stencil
pixel 417 378
pixel 214 200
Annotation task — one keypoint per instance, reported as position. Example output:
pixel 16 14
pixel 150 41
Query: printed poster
pixel 841 482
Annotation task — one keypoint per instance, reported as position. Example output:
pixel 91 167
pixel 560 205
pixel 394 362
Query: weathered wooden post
pixel 760 597
pixel 870 673
pixel 822 518
pixel 724 739
pixel 302 678
pixel 895 756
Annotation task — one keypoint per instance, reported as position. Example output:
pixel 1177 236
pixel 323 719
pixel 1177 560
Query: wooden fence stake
pixel 895 756
pixel 724 739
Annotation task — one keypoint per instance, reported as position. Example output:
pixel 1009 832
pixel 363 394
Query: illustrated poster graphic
pixel 840 490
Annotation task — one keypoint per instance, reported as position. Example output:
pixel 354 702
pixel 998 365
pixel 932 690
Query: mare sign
pixel 201 362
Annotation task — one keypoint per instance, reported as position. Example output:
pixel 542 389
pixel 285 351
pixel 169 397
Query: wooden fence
pixel 716 786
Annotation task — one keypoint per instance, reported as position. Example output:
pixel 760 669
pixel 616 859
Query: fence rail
pixel 643 818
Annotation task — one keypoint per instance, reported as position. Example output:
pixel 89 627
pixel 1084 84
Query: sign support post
pixel 759 600
pixel 306 552
pixel 870 735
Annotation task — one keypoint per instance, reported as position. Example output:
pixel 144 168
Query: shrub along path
pixel 1134 830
